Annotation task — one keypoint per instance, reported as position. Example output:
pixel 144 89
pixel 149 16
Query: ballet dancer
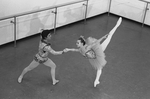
pixel 42 56
pixel 94 51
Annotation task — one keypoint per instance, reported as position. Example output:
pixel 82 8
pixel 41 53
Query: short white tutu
pixel 99 62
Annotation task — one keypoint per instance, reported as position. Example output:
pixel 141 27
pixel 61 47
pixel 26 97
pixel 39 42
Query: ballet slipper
pixel 55 82
pixel 20 79
pixel 96 83
pixel 119 21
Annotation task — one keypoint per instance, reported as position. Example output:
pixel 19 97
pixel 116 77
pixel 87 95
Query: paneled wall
pixel 131 9
pixel 31 24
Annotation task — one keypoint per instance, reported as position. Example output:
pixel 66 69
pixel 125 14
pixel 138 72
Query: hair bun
pixel 82 37
pixel 42 30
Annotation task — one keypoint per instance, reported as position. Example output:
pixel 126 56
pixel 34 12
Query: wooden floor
pixel 125 76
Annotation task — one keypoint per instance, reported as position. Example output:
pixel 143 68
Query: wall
pixel 131 9
pixel 31 24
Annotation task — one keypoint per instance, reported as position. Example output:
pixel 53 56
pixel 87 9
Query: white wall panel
pixel 132 9
pixel 6 31
pixel 147 19
pixel 69 14
pixel 97 7
pixel 11 7
pixel 31 24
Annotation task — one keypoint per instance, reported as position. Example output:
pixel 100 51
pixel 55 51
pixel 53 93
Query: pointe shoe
pixel 119 21
pixel 96 83
pixel 20 79
pixel 55 82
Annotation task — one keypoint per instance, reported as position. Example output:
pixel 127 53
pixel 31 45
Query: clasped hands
pixel 66 50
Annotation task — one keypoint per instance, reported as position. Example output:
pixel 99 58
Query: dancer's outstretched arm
pixel 71 49
pixel 53 51
pixel 107 40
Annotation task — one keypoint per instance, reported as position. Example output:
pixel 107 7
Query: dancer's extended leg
pixel 32 65
pixel 107 40
pixel 99 71
pixel 52 65
pixel 104 46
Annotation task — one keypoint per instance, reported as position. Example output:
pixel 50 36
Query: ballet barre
pixel 145 11
pixel 109 7
pixel 14 17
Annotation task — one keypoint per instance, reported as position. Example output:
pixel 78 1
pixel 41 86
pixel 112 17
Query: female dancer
pixel 94 51
pixel 42 56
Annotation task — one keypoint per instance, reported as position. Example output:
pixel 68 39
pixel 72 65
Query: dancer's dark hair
pixel 81 38
pixel 44 33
